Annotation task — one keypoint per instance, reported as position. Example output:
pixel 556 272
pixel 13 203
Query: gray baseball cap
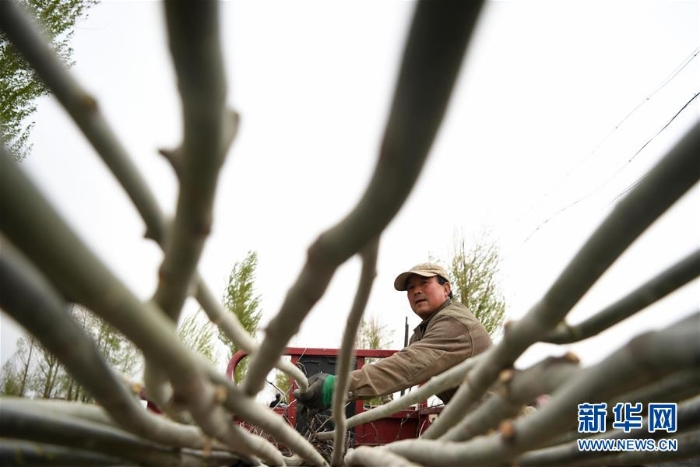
pixel 423 269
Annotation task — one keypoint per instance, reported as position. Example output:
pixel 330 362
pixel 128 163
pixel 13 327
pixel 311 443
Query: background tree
pixel 240 300
pixel 16 375
pixel 47 372
pixel 34 371
pixel 197 333
pixel 18 372
pixel 19 85
pixel 474 273
pixel 283 382
pixel 119 353
pixel 9 380
pixel 373 335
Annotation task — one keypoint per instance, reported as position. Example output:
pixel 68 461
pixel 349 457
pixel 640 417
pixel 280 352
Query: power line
pixel 670 77
pixel 608 180
pixel 636 182
pixel 662 85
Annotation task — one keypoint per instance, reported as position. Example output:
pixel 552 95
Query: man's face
pixel 425 294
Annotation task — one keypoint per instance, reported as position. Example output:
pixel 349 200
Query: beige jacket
pixel 444 339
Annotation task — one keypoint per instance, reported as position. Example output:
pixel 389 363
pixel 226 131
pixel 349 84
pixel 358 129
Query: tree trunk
pixel 25 371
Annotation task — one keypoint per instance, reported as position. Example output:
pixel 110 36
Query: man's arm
pixel 446 343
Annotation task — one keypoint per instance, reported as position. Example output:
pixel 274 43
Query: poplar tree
pixel 474 272
pixel 197 333
pixel 241 300
pixel 20 87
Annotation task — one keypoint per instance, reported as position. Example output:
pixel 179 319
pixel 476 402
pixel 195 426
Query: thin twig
pixel 675 174
pixel 655 289
pixel 83 108
pixel 233 329
pixel 347 349
pixel 432 59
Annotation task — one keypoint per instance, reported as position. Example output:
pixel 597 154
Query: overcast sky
pixel 553 103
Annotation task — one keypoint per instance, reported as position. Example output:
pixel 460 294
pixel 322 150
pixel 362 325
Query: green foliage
pixel 34 371
pixel 20 86
pixel 283 382
pixel 10 380
pixel 240 300
pixel 197 333
pixel 474 281
pixel 116 349
pixel 16 378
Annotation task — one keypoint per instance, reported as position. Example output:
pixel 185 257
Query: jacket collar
pixel 424 324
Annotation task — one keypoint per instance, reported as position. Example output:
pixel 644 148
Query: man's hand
pixel 319 396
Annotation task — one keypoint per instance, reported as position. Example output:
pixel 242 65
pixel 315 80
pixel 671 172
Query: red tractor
pixel 405 424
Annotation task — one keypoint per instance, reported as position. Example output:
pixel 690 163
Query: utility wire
pixel 636 182
pixel 662 85
pixel 670 77
pixel 608 180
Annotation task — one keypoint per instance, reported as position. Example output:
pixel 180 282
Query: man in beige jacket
pixel 448 334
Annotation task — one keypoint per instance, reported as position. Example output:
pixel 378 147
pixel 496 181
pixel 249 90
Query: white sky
pixel 544 84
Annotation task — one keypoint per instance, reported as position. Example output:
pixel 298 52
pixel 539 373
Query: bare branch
pixel 246 408
pixel 94 414
pixel 668 281
pixel 516 388
pixel 432 59
pixel 193 30
pixel 30 300
pixel 164 431
pixel 81 434
pixel 347 349
pixel 645 359
pixel 655 366
pixel 44 238
pixel 194 45
pixel 40 455
pixel 688 448
pixel 664 184
pixel 569 454
pixel 233 329
pixel 674 388
pixel 375 456
pixel 83 108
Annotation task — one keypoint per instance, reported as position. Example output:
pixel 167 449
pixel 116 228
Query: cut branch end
pixel 507 431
